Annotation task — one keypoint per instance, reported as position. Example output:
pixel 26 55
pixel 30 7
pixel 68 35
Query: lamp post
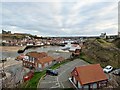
pixel 3 73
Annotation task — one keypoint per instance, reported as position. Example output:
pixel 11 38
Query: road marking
pixel 58 81
pixel 50 82
pixel 62 85
pixel 54 87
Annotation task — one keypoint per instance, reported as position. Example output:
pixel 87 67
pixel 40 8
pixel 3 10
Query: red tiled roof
pixel 45 59
pixel 90 74
pixel 37 54
pixel 20 57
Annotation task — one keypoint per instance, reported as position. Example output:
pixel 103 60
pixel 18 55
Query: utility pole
pixel 3 72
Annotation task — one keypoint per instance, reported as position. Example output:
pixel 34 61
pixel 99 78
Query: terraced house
pixel 38 60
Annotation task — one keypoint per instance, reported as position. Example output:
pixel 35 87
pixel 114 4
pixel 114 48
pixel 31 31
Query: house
pixel 89 76
pixel 37 60
pixel 44 62
pixel 76 53
pixel 31 58
pixel 103 35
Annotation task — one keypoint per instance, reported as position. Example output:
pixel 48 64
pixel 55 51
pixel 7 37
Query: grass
pixel 85 58
pixel 32 83
pixel 89 60
pixel 58 65
pixel 104 43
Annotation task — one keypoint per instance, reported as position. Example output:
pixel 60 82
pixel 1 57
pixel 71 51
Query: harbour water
pixel 6 54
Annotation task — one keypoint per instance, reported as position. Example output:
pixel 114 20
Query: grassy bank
pixel 87 59
pixel 102 52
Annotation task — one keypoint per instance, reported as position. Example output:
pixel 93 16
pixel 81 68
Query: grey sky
pixel 60 18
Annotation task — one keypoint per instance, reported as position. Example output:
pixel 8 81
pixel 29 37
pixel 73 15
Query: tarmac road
pixel 61 81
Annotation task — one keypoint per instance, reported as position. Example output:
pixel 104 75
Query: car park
pixel 116 72
pixel 108 69
pixel 51 72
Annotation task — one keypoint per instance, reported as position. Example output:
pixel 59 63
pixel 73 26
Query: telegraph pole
pixel 3 72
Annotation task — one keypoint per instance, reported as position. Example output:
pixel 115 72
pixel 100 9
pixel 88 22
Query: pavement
pixel 61 81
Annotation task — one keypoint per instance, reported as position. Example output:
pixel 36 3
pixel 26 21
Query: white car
pixel 108 69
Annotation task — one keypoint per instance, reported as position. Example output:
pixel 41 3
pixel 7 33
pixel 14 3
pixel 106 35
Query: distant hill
pixel 100 51
pixel 17 36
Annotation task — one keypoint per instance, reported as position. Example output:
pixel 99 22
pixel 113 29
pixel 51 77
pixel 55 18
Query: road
pixel 61 81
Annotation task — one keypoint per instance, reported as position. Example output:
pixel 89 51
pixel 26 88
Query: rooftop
pixel 45 59
pixel 37 54
pixel 90 74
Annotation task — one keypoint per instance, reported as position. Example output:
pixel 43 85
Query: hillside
pixel 100 51
pixel 117 42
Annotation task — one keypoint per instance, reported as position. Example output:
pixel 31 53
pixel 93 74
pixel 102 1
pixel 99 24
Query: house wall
pixel 39 65
pixel 29 61
pixel 46 65
pixel 86 86
pixel 50 62
pixel 79 86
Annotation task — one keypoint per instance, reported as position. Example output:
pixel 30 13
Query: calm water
pixel 40 49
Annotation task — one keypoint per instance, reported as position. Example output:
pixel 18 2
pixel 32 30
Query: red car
pixel 28 76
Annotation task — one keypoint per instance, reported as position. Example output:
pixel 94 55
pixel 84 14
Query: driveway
pixel 61 81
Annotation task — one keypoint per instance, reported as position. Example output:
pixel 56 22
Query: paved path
pixel 61 81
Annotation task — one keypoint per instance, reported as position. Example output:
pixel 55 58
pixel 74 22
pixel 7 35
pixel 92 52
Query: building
pixel 45 62
pixel 37 60
pixel 89 76
pixel 76 53
pixel 103 35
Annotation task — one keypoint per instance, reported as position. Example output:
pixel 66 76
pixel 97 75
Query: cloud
pixel 60 18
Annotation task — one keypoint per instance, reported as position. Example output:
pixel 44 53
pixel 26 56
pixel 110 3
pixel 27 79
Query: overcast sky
pixel 74 18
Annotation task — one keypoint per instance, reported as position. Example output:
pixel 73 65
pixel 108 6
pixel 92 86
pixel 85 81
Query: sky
pixel 60 17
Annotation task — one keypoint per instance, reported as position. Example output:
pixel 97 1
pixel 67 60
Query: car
pixel 108 69
pixel 51 72
pixel 116 72
pixel 28 76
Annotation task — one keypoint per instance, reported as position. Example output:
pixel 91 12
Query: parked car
pixel 116 72
pixel 28 76
pixel 108 69
pixel 51 72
